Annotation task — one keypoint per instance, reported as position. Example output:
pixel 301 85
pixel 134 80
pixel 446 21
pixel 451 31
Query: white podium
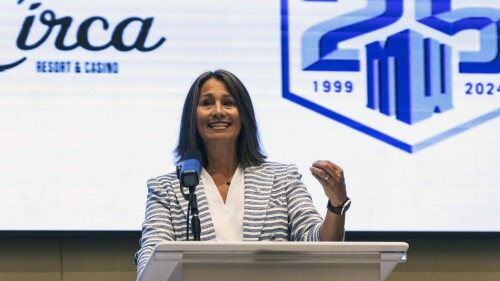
pixel 261 261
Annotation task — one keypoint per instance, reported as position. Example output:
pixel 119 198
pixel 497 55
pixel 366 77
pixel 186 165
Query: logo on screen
pixel 410 73
pixel 69 34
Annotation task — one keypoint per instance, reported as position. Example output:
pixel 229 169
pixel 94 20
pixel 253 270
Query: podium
pixel 261 261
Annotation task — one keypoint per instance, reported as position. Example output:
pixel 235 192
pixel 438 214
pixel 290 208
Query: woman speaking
pixel 241 197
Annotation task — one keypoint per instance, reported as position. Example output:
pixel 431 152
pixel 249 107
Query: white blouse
pixel 227 218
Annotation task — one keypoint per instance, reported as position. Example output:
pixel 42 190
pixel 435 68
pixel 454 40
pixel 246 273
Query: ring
pixel 327 177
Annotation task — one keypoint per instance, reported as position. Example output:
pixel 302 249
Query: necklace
pixel 228 179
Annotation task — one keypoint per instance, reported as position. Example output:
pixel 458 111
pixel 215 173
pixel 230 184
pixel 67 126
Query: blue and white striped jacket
pixel 277 207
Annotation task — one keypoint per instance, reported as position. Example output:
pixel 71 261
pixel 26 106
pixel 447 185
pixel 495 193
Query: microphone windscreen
pixel 190 168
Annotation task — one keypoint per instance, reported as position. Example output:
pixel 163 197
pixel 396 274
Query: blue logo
pixel 410 73
pixel 49 22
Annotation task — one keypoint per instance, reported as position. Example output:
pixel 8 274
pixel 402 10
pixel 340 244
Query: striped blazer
pixel 277 207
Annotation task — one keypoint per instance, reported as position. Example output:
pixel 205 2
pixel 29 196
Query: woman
pixel 240 195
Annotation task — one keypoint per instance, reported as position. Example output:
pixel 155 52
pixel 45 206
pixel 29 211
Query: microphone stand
pixel 195 220
pixel 193 202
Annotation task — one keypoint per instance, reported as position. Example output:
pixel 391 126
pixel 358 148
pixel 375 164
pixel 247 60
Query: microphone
pixel 190 169
pixel 188 174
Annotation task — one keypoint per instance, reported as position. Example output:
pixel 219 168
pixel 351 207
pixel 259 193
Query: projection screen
pixel 403 95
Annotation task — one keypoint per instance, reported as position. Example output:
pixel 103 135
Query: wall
pixel 58 259
pixel 111 258
pixel 451 259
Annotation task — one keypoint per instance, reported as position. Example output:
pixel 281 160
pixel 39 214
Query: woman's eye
pixel 206 102
pixel 229 103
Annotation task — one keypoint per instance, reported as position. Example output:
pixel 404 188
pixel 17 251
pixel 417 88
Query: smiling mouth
pixel 216 125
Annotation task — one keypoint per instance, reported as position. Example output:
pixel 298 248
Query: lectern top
pixel 353 247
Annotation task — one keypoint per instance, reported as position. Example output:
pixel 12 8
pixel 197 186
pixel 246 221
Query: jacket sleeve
pixel 157 226
pixel 304 219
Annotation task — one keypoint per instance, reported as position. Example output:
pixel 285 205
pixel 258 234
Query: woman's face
pixel 218 118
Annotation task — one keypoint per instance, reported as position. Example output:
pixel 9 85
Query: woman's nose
pixel 218 110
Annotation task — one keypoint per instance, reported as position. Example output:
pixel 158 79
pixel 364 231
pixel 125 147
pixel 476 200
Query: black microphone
pixel 190 169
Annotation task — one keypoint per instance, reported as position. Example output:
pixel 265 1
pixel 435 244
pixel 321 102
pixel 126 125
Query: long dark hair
pixel 248 146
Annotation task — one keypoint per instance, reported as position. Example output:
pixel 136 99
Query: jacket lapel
pixel 180 198
pixel 258 186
